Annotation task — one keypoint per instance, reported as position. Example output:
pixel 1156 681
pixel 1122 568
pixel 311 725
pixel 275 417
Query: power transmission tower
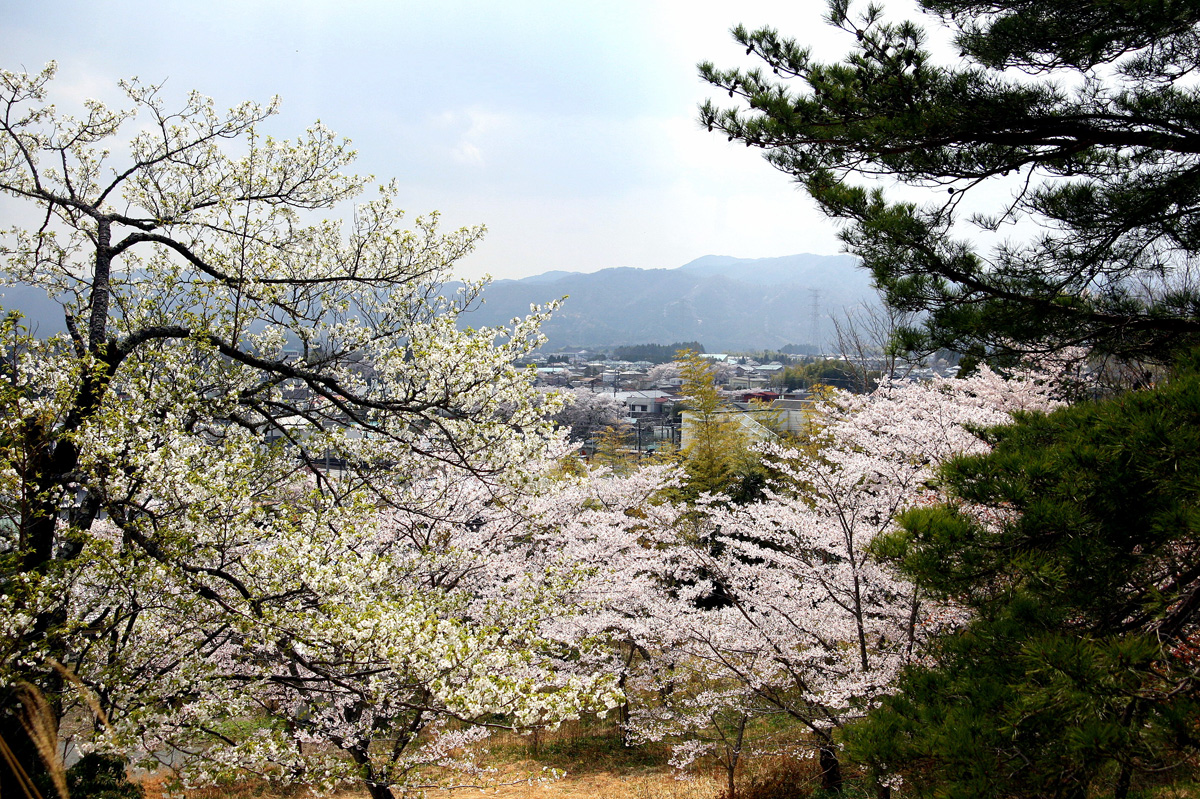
pixel 814 321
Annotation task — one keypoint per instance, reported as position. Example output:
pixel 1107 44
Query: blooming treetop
pixel 588 412
pixel 385 648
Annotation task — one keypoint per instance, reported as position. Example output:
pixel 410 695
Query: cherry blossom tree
pixel 197 478
pixel 587 412
pixel 390 649
pixel 610 526
pixel 777 606
pixel 721 371
pixel 665 373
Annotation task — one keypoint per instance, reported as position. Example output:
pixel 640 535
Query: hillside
pixel 723 302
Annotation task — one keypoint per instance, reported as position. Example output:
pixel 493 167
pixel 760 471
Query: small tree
pixel 717 452
pixel 866 339
pixel 612 448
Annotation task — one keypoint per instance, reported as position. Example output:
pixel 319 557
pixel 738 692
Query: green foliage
pixel 766 356
pixel 718 457
pixel 654 353
pixel 612 450
pixel 838 374
pixel 794 350
pixel 98 776
pixel 1076 546
pixel 1099 154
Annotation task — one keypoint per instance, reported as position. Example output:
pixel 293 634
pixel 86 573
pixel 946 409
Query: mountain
pixel 43 316
pixel 723 302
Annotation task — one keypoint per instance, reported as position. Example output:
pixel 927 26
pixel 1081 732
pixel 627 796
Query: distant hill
pixel 43 316
pixel 726 303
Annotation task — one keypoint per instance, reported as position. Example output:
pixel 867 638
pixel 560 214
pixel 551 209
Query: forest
pixel 979 586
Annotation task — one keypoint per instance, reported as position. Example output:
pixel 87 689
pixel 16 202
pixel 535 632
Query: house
pixel 761 397
pixel 645 403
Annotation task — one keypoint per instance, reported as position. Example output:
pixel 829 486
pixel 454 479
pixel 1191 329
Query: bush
pixel 98 776
pixel 776 778
pixel 785 777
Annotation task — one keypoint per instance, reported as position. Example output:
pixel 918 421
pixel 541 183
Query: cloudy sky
pixel 568 128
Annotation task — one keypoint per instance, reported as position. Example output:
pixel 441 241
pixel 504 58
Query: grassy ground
pixel 582 786
pixel 592 757
pixel 597 765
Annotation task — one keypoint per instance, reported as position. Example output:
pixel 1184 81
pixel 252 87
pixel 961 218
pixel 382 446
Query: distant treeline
pixel 654 353
pixel 767 356
pixel 839 374
pixel 800 349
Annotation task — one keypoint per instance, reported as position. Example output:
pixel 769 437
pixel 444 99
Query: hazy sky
pixel 568 128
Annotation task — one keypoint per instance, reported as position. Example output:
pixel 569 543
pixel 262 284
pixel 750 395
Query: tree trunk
pixel 732 761
pixel 623 708
pixel 43 472
pixel 379 791
pixel 535 743
pixel 1128 718
pixel 831 769
pixel 360 754
pixel 1123 778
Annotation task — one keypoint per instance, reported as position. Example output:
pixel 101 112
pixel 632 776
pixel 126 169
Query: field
pixel 594 762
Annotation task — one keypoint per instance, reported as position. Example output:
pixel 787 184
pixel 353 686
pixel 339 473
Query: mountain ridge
pixel 726 303
pixel 723 301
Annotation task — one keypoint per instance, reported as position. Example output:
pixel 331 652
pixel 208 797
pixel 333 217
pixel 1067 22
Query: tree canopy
pixel 238 486
pixel 825 372
pixel 1078 123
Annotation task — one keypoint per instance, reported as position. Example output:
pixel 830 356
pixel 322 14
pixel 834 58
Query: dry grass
pixel 250 789
pixel 595 762
pixel 655 784
pixel 651 785
pixel 596 765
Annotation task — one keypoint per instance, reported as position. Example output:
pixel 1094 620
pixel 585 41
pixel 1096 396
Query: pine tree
pixel 1075 545
pixel 1096 143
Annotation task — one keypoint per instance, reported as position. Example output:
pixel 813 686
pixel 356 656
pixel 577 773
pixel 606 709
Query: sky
pixel 567 128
